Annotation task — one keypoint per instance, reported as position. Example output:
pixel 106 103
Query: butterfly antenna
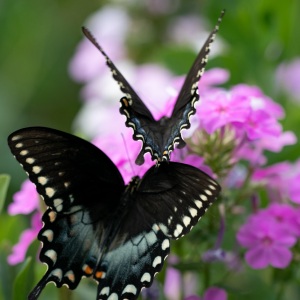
pixel 127 153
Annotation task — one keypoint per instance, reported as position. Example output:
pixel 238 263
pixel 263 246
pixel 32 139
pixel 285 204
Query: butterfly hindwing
pixel 71 247
pixel 66 170
pixel 133 265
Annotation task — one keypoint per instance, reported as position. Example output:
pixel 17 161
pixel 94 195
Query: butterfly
pixel 159 137
pixel 95 225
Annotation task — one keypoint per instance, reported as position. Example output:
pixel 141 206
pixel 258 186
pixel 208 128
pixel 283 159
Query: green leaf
pixel 4 182
pixel 23 280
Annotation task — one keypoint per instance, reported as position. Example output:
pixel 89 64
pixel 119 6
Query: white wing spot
pixel 198 203
pixel 24 152
pixel 165 244
pixel 105 291
pixel 139 136
pixel 211 187
pixel 146 277
pixel 203 197
pixel 42 180
pixel 193 212
pixel 58 203
pixel 50 192
pixel 57 273
pixel 16 137
pixel 156 261
pixel 130 288
pixel 30 160
pixel 113 296
pixel 186 221
pixel 19 145
pixel 208 192
pixel 52 255
pixel 178 230
pixel 48 234
pixel 36 169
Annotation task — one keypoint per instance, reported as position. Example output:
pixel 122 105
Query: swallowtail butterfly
pixel 95 225
pixel 160 137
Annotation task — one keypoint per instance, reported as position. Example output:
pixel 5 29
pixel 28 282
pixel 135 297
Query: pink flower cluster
pixel 269 234
pixel 251 115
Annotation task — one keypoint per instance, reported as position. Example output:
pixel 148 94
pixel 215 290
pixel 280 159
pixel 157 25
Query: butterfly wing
pixel 138 116
pixel 82 188
pixel 168 202
pixel 188 95
pixel 68 172
pixel 131 96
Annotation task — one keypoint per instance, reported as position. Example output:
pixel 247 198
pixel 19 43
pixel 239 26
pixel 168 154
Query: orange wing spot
pixel 87 270
pixel 71 277
pixel 52 216
pixel 165 152
pixel 99 274
pixel 125 102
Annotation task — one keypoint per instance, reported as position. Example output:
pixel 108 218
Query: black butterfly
pixel 97 226
pixel 160 137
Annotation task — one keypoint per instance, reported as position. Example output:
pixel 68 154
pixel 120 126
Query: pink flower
pixel 258 100
pixel 285 215
pixel 260 124
pixel 27 237
pixel 267 241
pixel 25 201
pixel 220 108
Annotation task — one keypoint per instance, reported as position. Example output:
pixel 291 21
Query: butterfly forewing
pixel 67 171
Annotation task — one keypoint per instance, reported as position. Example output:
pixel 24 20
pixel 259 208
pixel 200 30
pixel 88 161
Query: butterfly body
pixel 95 225
pixel 159 138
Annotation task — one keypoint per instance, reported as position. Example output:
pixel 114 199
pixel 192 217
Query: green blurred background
pixel 38 38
